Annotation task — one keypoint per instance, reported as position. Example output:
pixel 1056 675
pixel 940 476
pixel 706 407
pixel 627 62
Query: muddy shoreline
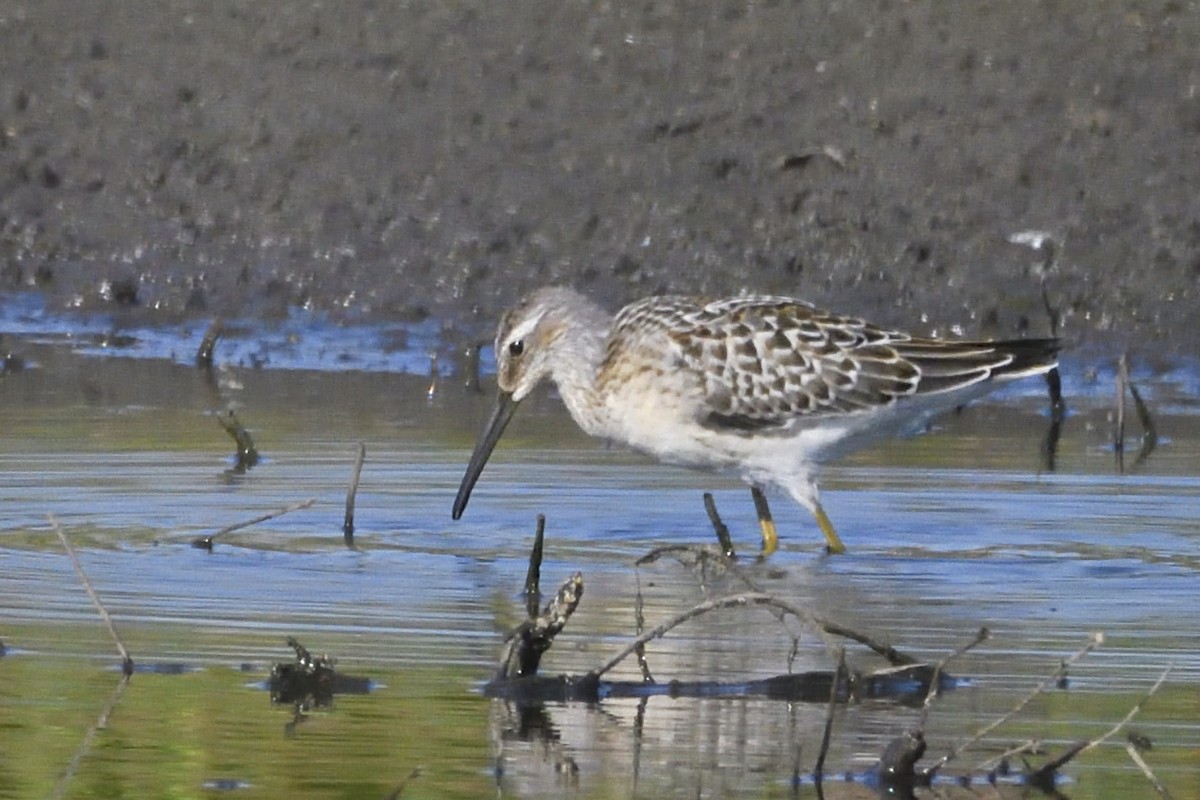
pixel 177 160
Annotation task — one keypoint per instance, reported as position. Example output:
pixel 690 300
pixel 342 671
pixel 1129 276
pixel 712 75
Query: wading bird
pixel 767 387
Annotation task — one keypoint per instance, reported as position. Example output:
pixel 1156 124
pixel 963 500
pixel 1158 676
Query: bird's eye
pixel 516 347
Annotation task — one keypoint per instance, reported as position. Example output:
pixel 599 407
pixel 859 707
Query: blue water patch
pixel 313 341
pixel 304 340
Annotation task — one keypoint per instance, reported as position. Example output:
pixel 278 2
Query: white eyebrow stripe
pixel 523 330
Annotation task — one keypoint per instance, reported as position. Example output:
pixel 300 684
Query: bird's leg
pixel 834 543
pixel 804 490
pixel 770 537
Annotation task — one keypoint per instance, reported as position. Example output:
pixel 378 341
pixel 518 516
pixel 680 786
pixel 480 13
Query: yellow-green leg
pixel 834 543
pixel 770 536
pixel 809 500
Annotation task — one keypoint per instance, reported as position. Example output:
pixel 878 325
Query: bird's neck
pixel 582 346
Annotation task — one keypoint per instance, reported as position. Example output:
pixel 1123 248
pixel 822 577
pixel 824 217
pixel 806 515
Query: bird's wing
pixel 764 362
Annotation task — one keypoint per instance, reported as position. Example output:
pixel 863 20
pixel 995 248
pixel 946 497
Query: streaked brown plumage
pixel 769 387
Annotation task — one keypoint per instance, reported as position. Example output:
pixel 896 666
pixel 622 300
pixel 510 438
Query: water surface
pixel 948 532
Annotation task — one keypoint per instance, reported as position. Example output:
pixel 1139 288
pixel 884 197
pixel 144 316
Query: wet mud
pixel 934 166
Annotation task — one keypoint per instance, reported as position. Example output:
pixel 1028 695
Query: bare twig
pixel 1119 432
pixel 394 794
pixel 85 746
pixel 434 376
pixel 206 542
pixel 1133 712
pixel 60 789
pixel 1132 750
pixel 247 453
pixel 1149 430
pixel 826 735
pixel 753 599
pixel 351 493
pixel 126 661
pixel 533 577
pixel 719 527
pixel 204 353
pixel 1043 777
pixel 1058 413
pixel 1096 640
pixel 639 628
pixel 535 636
pixel 982 635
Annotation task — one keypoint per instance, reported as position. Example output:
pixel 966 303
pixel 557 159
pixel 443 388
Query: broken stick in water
pixel 533 576
pixel 827 733
pixel 719 527
pixel 535 636
pixel 204 353
pixel 982 635
pixel 1149 430
pixel 351 493
pixel 247 453
pixel 206 542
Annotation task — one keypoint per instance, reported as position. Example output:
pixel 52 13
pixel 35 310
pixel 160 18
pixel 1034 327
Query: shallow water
pixel 947 532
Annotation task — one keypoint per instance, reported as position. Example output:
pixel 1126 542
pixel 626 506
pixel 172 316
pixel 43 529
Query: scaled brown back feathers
pixel 764 361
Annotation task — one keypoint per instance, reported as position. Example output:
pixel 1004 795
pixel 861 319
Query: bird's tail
pixel 946 366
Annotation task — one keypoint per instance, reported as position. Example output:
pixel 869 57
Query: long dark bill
pixel 501 414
